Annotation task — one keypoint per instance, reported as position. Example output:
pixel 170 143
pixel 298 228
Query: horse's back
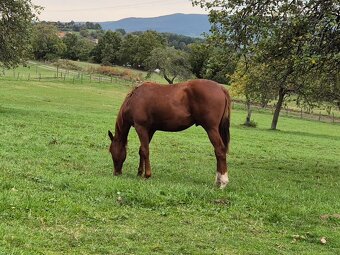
pixel 177 107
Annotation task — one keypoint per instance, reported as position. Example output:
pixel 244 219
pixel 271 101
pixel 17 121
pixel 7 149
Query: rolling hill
pixel 184 24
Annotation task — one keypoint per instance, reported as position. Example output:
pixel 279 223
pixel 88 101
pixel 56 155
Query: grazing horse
pixel 151 107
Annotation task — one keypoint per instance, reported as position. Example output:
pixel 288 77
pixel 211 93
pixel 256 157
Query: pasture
pixel 58 195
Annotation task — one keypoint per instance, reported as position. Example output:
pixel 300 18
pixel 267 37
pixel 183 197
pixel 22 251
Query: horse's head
pixel 118 152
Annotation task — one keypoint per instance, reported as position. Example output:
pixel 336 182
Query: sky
pixel 111 10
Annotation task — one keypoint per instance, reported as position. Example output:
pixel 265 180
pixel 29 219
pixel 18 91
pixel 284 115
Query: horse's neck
pixel 122 128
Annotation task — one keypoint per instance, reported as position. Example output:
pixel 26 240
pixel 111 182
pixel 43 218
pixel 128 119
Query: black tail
pixel 225 121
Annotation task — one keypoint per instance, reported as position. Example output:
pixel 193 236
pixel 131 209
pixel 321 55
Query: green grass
pixel 58 195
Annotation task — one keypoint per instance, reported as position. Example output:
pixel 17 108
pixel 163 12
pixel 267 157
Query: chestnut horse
pixel 150 107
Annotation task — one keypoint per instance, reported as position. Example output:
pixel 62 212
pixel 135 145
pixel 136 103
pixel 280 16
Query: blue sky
pixel 109 10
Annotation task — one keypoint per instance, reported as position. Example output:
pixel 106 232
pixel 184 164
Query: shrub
pixel 66 64
pixel 252 124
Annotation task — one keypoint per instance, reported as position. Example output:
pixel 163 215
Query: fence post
pixel 301 114
pixel 29 76
pixel 333 118
pixel 39 76
pixel 320 116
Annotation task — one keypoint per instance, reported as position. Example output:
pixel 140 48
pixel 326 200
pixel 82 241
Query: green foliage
pixel 147 42
pixel 211 62
pixel 107 49
pixel 74 26
pixel 16 19
pixel 71 42
pixel 46 44
pixel 77 48
pixel 180 42
pixel 58 195
pixel 171 63
pixel 136 48
pixel 128 49
pixel 198 57
pixel 297 40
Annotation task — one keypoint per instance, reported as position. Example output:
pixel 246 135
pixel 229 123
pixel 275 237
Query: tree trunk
pixel 248 114
pixel 278 108
pixel 170 81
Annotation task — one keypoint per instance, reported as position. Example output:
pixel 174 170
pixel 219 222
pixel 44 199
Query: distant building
pixel 61 34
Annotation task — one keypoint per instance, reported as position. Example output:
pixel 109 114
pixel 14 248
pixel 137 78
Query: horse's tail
pixel 225 121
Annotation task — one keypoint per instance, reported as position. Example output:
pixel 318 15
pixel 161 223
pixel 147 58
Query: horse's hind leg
pixel 221 157
pixel 145 137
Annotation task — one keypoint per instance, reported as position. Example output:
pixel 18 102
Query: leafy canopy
pixel 16 18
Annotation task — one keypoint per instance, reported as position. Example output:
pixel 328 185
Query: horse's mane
pixel 129 95
pixel 120 117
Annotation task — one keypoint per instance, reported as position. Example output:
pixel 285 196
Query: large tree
pixel 293 39
pixel 147 41
pixel 45 42
pixel 170 62
pixel 16 18
pixel 107 49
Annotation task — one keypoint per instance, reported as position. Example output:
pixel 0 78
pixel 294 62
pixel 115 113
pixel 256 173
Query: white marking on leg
pixel 218 179
pixel 222 180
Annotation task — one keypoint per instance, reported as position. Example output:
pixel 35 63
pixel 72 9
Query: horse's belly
pixel 173 125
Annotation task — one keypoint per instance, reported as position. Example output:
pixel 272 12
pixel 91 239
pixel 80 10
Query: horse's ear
pixel 110 135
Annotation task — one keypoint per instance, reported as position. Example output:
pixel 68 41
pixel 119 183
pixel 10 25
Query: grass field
pixel 58 195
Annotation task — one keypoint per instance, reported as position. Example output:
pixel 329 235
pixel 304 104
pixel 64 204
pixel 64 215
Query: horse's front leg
pixel 221 158
pixel 145 137
pixel 141 163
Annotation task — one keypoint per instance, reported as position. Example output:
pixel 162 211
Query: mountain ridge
pixel 193 25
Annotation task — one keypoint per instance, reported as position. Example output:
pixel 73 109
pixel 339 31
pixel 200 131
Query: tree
pixel 136 47
pixel 46 44
pixel 72 50
pixel 147 41
pixel 77 48
pixel 16 18
pixel 107 49
pixel 294 39
pixel 128 48
pixel 255 89
pixel 170 62
pixel 86 46
pixel 220 65
pixel 198 58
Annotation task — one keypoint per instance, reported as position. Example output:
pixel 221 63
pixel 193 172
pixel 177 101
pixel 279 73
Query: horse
pixel 150 107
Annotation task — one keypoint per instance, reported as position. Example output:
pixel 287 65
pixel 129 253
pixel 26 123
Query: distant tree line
pixel 74 26
pixel 173 56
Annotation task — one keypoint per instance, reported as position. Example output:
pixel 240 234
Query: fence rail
pixel 289 112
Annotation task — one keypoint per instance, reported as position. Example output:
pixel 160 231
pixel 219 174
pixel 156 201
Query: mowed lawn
pixel 58 195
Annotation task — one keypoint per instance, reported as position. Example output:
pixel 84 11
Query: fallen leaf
pixel 323 240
